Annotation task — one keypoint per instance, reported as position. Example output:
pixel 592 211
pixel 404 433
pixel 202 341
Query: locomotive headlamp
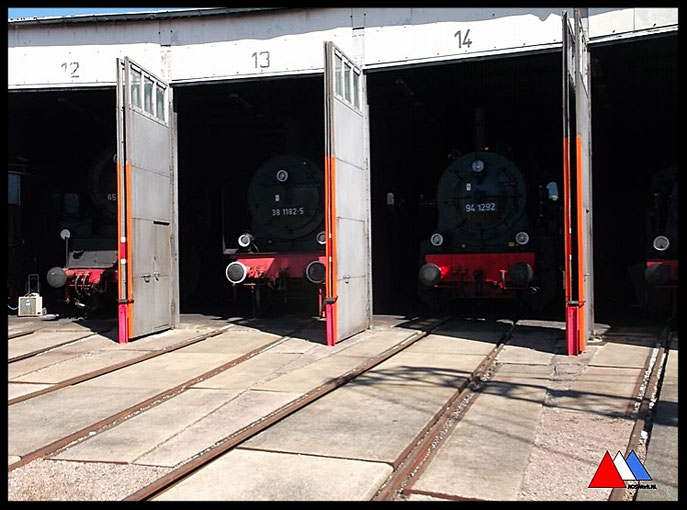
pixel 522 238
pixel 315 272
pixel 236 272
pixel 436 239
pixel 321 238
pixel 661 243
pixel 477 166
pixel 282 175
pixel 245 240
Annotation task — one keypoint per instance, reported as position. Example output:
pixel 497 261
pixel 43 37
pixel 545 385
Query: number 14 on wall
pixel 464 40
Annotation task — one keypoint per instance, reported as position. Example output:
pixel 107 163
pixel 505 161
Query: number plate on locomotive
pixel 483 207
pixel 289 211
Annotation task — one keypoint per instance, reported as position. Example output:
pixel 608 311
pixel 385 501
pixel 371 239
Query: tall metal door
pixel 145 148
pixel 577 147
pixel 347 198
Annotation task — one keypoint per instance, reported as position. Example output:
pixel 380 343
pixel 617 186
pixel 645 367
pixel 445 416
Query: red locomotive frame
pixel 459 271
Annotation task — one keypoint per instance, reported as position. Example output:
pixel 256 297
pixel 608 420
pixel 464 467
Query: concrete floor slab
pixel 293 346
pixel 22 324
pixel 250 372
pixel 356 421
pixel 28 365
pixel 19 390
pixel 142 433
pixel 160 373
pixel 314 333
pixel 382 321
pixel 267 476
pixel 77 366
pixel 622 355
pixel 519 381
pixel 603 390
pixel 529 348
pixel 662 453
pixel 477 330
pixel 486 455
pixel 164 339
pixel 41 340
pixel 376 343
pixel 423 369
pixel 221 423
pixel 96 342
pixel 232 341
pixel 423 497
pixel 439 343
pixel 308 377
pixel 39 421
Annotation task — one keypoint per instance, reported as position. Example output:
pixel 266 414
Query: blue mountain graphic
pixel 636 467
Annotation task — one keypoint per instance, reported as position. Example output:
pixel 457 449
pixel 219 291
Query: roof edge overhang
pixel 139 16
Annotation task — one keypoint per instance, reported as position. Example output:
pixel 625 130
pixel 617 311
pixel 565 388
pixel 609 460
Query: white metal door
pixel 145 146
pixel 347 198
pixel 577 147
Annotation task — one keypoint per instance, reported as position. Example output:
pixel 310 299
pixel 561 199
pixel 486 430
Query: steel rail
pixel 46 349
pixel 414 459
pixel 110 421
pixel 644 419
pixel 223 446
pixel 112 368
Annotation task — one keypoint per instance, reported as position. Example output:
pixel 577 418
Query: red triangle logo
pixel 607 476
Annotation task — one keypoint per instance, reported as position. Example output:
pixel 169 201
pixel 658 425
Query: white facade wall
pixel 290 41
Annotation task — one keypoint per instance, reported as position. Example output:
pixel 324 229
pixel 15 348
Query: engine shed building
pixel 192 101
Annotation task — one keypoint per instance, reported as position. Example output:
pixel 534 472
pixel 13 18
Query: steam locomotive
pixel 282 252
pixel 661 272
pixel 487 242
pixel 89 230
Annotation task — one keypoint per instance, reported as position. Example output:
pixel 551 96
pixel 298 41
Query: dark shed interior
pixel 418 117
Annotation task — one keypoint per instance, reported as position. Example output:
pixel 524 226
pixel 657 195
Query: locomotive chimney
pixel 480 123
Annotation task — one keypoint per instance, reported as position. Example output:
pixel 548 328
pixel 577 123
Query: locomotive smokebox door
pixel 347 181
pixel 146 220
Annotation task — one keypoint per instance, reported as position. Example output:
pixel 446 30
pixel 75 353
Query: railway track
pixel 158 398
pixel 20 337
pixel 406 463
pixel 87 376
pixel 654 370
pixel 92 374
pixel 407 468
pixel 420 453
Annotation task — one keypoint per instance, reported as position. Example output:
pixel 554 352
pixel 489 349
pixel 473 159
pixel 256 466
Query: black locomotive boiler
pixel 488 243
pixel 281 251
pixel 661 271
pixel 89 230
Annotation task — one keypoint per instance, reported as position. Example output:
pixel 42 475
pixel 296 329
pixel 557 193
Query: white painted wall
pixel 290 41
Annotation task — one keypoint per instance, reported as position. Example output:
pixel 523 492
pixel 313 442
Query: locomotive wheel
pixel 261 298
pixel 256 299
pixel 435 299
